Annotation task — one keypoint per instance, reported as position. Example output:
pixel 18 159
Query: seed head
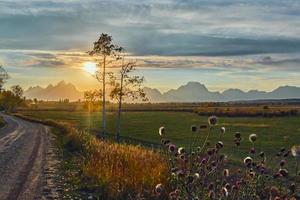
pixel 159 189
pixel 161 131
pixel 225 192
pixel 252 138
pixel 181 150
pixel 194 128
pixel 248 160
pixel 172 148
pixel 196 176
pixel 223 130
pixel 226 172
pixel 282 163
pixel 219 145
pixel 295 150
pixel 283 172
pixel 237 135
pixel 212 121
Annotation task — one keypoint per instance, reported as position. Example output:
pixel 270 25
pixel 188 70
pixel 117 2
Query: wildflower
pixel 234 188
pixel 226 172
pixel 225 192
pixel 210 151
pixel 196 176
pixel 174 169
pixel 159 189
pixel 283 172
pixel 212 121
pixel 252 138
pixel 295 150
pixel 211 194
pixel 248 160
pixel 276 175
pixel 227 186
pixel 194 128
pixel 252 150
pixel 211 186
pixel 161 131
pixel 223 130
pixel 203 161
pixel 292 187
pixel 172 148
pixel 237 135
pixel 182 157
pixel 237 143
pixel 282 163
pixel 219 145
pixel 252 174
pixel 262 154
pixel 181 150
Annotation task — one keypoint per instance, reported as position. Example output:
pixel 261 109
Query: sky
pixel 220 43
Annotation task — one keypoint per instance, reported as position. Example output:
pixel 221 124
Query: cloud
pixel 206 27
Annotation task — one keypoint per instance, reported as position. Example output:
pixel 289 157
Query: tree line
pixel 9 99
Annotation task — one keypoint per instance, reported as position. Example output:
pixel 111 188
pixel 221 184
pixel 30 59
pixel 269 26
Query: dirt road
pixel 24 148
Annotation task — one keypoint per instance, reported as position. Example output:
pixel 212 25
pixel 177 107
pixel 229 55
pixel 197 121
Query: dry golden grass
pixel 119 168
pixel 125 168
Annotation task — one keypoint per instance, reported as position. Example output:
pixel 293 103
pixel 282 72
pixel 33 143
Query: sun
pixel 90 67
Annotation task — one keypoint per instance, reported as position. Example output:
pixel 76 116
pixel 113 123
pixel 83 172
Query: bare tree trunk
pixel 119 111
pixel 103 100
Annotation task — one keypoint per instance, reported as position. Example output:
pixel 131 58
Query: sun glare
pixel 90 67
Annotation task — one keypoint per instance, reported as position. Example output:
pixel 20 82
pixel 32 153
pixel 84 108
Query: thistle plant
pixel 206 172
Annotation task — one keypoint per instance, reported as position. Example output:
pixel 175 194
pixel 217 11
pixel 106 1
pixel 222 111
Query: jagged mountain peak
pixel 61 90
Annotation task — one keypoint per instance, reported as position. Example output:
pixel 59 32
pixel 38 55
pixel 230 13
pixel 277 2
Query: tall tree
pixel 3 77
pixel 126 86
pixel 107 52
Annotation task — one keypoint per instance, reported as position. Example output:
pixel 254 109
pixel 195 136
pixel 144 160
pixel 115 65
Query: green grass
pixel 144 125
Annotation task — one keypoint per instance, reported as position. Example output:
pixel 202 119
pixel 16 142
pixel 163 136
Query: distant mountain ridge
pixel 190 92
pixel 61 90
pixel 197 92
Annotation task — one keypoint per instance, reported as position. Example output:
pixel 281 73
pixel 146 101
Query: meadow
pixel 273 132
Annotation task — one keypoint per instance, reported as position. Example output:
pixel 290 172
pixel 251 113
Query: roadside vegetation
pixel 107 169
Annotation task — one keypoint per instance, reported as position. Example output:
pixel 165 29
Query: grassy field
pixel 144 125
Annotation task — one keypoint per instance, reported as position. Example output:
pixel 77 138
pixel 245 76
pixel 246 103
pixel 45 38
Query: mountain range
pixel 191 92
pixel 61 90
pixel 197 92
